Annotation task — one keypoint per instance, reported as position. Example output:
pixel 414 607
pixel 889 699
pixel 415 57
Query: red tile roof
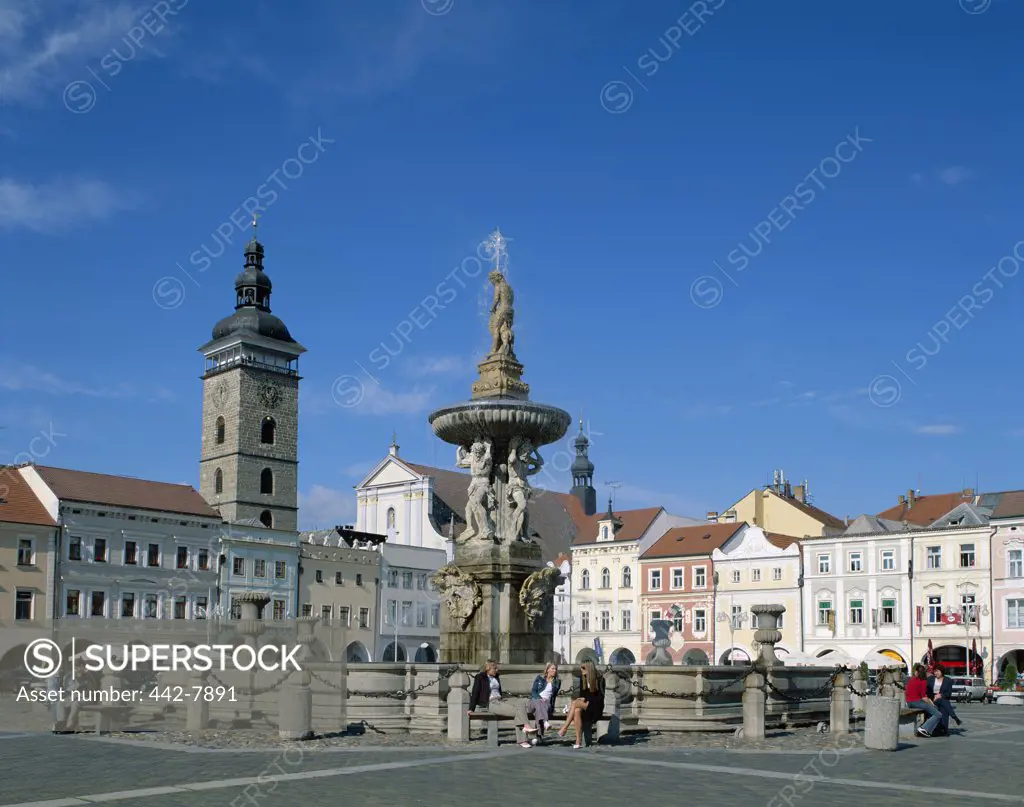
pixel 926 509
pixel 19 504
pixel 635 524
pixel 781 541
pixel 699 540
pixel 125 491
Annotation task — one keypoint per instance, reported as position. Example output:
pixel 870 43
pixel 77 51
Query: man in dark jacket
pixel 487 695
pixel 940 690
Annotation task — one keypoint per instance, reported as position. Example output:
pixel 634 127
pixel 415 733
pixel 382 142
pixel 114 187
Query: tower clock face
pixel 270 395
pixel 220 394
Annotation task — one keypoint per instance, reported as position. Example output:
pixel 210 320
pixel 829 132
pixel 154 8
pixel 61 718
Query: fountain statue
pixel 496 602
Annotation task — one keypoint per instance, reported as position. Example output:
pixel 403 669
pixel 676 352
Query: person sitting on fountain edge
pixel 588 706
pixel 487 694
pixel 542 697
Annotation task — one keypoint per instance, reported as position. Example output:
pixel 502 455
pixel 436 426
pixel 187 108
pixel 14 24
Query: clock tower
pixel 249 462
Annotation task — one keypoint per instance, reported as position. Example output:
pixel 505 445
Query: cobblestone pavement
pixel 981 764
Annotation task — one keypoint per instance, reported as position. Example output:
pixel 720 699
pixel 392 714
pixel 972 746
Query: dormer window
pixel 604 533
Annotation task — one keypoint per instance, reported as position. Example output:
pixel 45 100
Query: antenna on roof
pixel 614 485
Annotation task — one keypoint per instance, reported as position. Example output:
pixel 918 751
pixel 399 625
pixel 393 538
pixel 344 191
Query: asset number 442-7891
pixel 177 694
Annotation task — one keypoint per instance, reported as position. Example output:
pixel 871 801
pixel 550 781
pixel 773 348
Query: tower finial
pixel 255 224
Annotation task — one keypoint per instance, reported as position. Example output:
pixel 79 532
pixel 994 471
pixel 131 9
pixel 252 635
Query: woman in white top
pixel 542 697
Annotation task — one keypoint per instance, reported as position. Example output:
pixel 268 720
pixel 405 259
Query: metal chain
pixel 715 690
pixel 250 693
pixel 402 694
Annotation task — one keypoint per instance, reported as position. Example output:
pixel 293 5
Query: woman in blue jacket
pixel 542 697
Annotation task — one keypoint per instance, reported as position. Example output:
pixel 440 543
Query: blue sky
pixel 636 153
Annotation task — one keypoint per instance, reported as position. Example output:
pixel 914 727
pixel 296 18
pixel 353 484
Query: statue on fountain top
pixel 502 316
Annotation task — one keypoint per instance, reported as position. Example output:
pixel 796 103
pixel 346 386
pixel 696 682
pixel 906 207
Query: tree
pixel 1010 677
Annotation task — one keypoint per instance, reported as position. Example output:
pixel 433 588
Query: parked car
pixel 970 689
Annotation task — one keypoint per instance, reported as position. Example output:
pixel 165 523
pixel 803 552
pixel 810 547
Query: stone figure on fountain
pixel 480 461
pixel 502 316
pixel 523 461
pixel 537 594
pixel 460 592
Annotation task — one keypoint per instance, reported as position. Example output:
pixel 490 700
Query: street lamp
pixel 566 644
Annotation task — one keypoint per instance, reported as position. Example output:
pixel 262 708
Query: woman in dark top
pixel 588 706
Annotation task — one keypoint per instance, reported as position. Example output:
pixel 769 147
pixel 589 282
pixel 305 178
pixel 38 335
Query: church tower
pixel 583 475
pixel 248 469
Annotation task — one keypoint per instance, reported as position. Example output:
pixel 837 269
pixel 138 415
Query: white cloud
pixel 17 377
pixel 937 429
pixel 57 205
pixel 954 175
pixel 376 400
pixel 440 365
pixel 324 507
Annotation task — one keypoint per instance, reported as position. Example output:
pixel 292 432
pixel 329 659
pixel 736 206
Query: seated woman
pixel 542 697
pixel 940 690
pixel 588 706
pixel 488 695
pixel 917 698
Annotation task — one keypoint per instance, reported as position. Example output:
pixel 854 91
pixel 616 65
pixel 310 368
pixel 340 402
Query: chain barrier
pixel 246 692
pixel 402 694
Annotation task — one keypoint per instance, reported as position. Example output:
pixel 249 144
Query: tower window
pixel 267 518
pixel 218 481
pixel 220 430
pixel 267 481
pixel 268 431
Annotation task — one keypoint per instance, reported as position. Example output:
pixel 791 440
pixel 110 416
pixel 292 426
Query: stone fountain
pixel 497 592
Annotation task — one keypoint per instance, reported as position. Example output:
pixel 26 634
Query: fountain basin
pixel 500 419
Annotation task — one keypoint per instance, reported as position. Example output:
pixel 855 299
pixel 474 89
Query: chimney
pixel 968 493
pixel 800 493
pixel 712 516
pixel 902 499
pixel 730 517
pixel 910 497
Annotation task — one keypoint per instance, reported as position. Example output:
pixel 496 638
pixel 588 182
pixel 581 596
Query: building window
pixel 968 611
pixel 22 604
pixel 421 615
pixel 700 577
pixel 278 609
pixel 1015 613
pixel 267 519
pixel 344 615
pixel 824 564
pixel 735 575
pixel 825 612
pixel 584 621
pixel 888 560
pixel 392 578
pixel 935 610
pixel 777 574
pixel 755 575
pixel 99 550
pixel 259 568
pixel 966 556
pixel 319 575
pixel 934 557
pixel 236 608
pixel 127 605
pixel 153 555
pixel 421 582
pixel 73 603
pixel 202 606
pixel 655 579
pixel 220 430
pixel 337 579
pixel 307 609
pixel 325 614
pixel 218 481
pixel 203 560
pixel 364 617
pixel 238 567
pixel 677 578
pixel 280 570
pixel 604 533
pixel 181 561
pixel 627 577
pixel 737 617
pixel 74 548
pixel 359 581
pixel 888 611
pixel 1015 557
pixel 406 612
pixel 99 604
pixel 700 621
pixel 856 563
pixel 435 615
pixel 179 607
pixel 266 481
pixel 626 619
pixel 268 431
pixel 585 580
pixel 606 578
pixel 655 614
pixel 26 552
pixel 677 620
pixel 149 607
pixel 131 553
pixel 606 621
pixel 407 580
pixel 856 612
pixel 391 518
pixel 392 612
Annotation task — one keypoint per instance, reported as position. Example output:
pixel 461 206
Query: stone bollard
pixel 295 707
pixel 860 684
pixel 882 723
pixel 611 709
pixel 197 712
pixel 458 707
pixel 839 719
pixel 753 706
